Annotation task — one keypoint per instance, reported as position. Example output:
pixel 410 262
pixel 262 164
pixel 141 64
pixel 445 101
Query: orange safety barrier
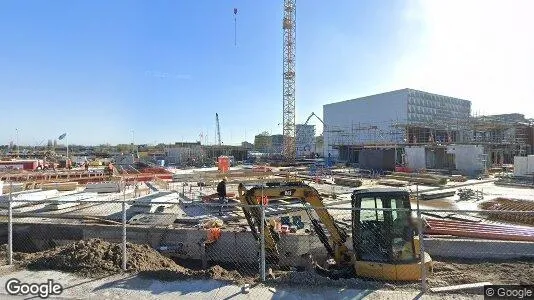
pixel 263 200
pixel 213 234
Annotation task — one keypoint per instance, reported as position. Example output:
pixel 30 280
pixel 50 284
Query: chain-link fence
pixel 183 232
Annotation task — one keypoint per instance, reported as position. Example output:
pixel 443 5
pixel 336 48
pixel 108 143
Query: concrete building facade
pixel 184 154
pixel 263 142
pixel 396 117
pixel 277 143
pixel 305 139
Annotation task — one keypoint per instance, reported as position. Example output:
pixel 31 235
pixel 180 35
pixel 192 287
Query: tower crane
pixel 289 29
pixel 218 129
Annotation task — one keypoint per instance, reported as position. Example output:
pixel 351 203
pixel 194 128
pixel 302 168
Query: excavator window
pixel 401 232
pixel 382 230
pixel 372 240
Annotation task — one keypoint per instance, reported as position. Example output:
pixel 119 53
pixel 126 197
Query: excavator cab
pixel 384 237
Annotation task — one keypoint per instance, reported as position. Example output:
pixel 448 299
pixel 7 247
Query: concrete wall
pixel 238 247
pixel 377 159
pixel 232 247
pixel 353 115
pixel 415 158
pixel 521 165
pixel 530 168
pixel 467 158
pixel 478 249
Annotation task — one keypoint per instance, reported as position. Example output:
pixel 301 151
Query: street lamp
pixel 133 140
pixel 17 138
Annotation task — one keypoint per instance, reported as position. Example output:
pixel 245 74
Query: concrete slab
pixel 478 249
pixel 125 286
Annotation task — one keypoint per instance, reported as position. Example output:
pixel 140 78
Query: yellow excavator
pixel 383 230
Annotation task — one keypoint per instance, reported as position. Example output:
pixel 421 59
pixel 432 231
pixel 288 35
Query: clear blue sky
pixel 100 69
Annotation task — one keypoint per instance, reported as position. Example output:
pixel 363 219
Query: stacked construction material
pixel 423 179
pixel 439 194
pixel 24 197
pixel 392 182
pixel 480 230
pixel 347 181
pixel 60 186
pixel 103 187
pixel 65 201
pixel 458 178
pixel 496 210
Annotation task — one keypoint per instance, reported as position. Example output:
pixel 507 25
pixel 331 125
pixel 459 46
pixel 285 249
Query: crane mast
pixel 289 29
pixel 218 129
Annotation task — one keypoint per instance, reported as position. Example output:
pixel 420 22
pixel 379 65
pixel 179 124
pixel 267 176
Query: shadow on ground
pixel 156 287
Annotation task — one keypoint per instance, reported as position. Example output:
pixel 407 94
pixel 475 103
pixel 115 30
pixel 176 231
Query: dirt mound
pixel 3 254
pixel 98 258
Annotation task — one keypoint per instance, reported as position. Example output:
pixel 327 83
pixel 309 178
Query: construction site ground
pixel 90 269
pixel 150 273
pixel 127 286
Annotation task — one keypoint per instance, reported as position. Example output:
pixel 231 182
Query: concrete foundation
pixel 237 246
pixel 231 247
pixel 478 249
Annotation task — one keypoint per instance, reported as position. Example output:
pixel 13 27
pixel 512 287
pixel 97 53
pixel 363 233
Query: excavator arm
pixel 252 198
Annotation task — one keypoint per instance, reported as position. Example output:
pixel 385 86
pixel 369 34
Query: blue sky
pixel 100 69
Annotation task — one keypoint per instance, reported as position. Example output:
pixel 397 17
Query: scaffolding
pixel 503 138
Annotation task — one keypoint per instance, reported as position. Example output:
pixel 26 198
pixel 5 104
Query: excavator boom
pixel 334 243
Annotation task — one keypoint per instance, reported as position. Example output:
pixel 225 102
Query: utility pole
pixel 133 142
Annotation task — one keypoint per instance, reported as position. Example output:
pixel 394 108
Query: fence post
pixel 262 240
pixel 124 229
pixel 421 244
pixel 10 227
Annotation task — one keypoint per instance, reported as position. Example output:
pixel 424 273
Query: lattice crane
pixel 289 29
pixel 218 129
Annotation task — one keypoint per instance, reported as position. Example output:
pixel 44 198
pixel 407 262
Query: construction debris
pixel 470 194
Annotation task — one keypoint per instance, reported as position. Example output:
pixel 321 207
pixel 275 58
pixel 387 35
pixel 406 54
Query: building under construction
pixel 421 130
